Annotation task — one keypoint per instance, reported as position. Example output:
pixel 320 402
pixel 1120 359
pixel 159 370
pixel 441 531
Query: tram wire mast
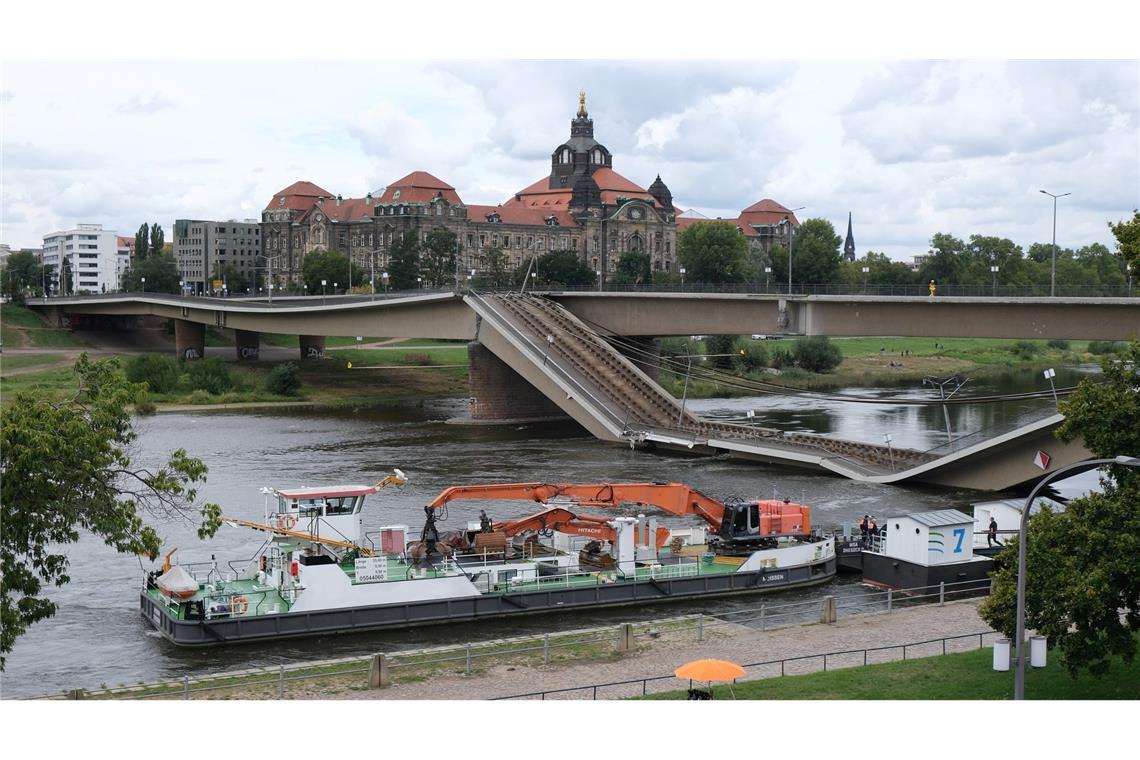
pixel 958 382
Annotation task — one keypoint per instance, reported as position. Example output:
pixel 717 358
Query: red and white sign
pixel 1042 460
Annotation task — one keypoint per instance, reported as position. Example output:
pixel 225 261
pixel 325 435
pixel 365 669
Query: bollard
pixel 186 687
pixel 77 694
pixel 281 682
pixel 941 593
pixel 468 658
pixel 700 626
pixel 546 649
pixel 827 610
pixel 763 621
pixel 378 675
pixel 890 598
pixel 625 638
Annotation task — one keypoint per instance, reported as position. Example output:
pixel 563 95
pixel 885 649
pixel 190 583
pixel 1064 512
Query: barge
pixel 320 572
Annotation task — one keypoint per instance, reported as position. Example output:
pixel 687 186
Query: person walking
pixel 991 537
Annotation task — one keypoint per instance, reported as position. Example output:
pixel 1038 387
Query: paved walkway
pixel 737 643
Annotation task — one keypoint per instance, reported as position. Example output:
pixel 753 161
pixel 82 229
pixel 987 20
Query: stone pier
pixel 248 345
pixel 312 346
pixel 189 339
pixel 499 394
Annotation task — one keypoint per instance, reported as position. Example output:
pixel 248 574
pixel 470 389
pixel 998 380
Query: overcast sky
pixel 911 148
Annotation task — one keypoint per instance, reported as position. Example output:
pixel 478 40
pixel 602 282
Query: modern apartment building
pixel 91 252
pixel 204 250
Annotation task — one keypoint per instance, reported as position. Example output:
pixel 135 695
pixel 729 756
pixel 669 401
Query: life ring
pixel 239 605
pixel 286 522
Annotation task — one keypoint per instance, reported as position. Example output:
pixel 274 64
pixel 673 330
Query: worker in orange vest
pixel 932 287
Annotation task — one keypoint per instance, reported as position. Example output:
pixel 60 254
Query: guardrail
pixel 273 683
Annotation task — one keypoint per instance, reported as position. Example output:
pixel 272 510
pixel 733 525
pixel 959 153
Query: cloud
pixel 23 155
pixel 140 104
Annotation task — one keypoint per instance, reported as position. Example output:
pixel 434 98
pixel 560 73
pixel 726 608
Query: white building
pixel 93 255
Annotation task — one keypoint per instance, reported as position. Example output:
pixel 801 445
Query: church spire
pixel 849 244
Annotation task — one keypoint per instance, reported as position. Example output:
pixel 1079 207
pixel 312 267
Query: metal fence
pixel 354 673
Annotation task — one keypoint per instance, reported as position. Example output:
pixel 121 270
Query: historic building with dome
pixel 583 205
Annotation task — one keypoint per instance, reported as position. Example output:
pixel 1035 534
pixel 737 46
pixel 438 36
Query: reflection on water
pixel 99 637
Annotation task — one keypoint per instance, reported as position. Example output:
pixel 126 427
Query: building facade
pixel 206 250
pixel 91 253
pixel 582 205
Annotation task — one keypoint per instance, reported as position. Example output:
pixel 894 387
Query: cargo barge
pixel 319 572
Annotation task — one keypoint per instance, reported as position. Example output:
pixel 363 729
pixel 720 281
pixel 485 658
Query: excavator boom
pixel 565 521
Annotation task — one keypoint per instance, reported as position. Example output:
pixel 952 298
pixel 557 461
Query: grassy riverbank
pixel 965 675
pixel 23 328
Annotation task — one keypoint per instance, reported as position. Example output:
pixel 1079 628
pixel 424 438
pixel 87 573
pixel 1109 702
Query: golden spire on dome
pixel 582 103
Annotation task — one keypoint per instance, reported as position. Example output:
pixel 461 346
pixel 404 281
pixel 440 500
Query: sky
pixel 909 147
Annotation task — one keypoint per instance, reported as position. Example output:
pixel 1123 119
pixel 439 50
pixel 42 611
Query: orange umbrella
pixel 710 670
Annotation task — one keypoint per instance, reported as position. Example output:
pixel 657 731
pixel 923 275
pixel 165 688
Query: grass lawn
pixel 53 382
pixel 30 360
pixel 966 675
pixel 21 327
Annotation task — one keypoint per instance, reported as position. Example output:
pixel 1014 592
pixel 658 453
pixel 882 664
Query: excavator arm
pixel 565 521
pixel 674 498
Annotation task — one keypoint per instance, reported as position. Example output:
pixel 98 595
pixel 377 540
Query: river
pixel 98 636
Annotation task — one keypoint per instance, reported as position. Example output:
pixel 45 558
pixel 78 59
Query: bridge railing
pixel 843 289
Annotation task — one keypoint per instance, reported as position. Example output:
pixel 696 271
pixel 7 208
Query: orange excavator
pixel 735 523
pixel 565 521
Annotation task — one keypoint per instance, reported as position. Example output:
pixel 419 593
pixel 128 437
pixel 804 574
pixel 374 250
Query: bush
pixel 145 408
pixel 781 358
pixel 721 348
pixel 817 354
pixel 751 355
pixel 199 397
pixel 1106 346
pixel 210 375
pixel 1026 349
pixel 1062 345
pixel 417 360
pixel 159 372
pixel 284 380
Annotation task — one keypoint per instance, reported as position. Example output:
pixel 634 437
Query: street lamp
pixel 1053 276
pixel 994 269
pixel 767 276
pixel 599 274
pixel 682 278
pixel 323 283
pixel 890 451
pixel 419 282
pixel 865 271
pixel 1088 464
pixel 384 279
pixel 182 287
pixel 143 283
pixel 791 240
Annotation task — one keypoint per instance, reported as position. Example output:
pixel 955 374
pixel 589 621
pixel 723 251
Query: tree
pixel 1083 566
pixel 562 269
pixel 234 278
pixel 404 263
pixel 945 261
pixel 330 266
pixel 157 238
pixel 437 258
pixel 815 253
pixel 160 271
pixel 1127 234
pixel 633 268
pixel 65 283
pixel 22 272
pixel 495 271
pixel 142 242
pixel 66 467
pixel 817 354
pixel 713 252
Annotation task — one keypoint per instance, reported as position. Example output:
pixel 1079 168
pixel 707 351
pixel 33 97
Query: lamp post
pixel 1053 275
pixel 419 282
pixel 182 288
pixel 599 274
pixel 143 283
pixel 384 279
pixel 682 278
pixel 791 240
pixel 994 270
pixel 323 283
pixel 1088 464
pixel 890 451
pixel 767 277
pixel 865 271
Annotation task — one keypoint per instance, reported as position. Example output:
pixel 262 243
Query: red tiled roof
pixel 299 195
pixel 520 214
pixel 419 187
pixel 349 210
pixel 612 185
pixel 763 213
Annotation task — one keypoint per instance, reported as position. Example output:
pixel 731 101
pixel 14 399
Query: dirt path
pixel 737 643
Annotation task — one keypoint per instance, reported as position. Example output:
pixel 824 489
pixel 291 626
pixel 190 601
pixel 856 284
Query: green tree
pixel 284 380
pixel 66 467
pixel 158 371
pixel 65 279
pixel 816 253
pixel 1083 566
pixel 633 268
pixel 562 269
pixel 713 252
pixel 1127 234
pixel 816 354
pixel 157 239
pixel 881 271
pixel 142 242
pixel 234 279
pixel 160 271
pixel 945 262
pixel 23 272
pixel 495 273
pixel 404 263
pixel 437 258
pixel 330 266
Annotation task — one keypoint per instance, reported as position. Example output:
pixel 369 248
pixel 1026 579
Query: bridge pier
pixel 248 344
pixel 312 346
pixel 189 339
pixel 499 394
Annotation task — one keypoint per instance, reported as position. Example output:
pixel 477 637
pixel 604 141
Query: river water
pixel 98 636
